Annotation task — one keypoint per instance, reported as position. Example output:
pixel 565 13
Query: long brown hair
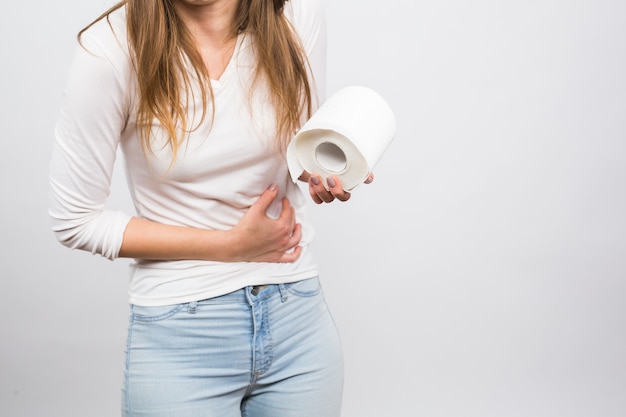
pixel 160 43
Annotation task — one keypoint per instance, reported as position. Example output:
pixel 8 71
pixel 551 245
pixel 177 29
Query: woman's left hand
pixel 320 194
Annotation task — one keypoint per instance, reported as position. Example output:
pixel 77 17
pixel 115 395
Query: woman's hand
pixel 320 194
pixel 260 238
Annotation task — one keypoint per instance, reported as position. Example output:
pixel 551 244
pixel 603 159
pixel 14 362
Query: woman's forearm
pixel 146 239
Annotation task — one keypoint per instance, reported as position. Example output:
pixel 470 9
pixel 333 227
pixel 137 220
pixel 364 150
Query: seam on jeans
pixel 127 410
pixel 291 288
pixel 163 316
pixel 261 366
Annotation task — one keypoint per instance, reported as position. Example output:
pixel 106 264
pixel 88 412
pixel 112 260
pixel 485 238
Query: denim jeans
pixel 273 352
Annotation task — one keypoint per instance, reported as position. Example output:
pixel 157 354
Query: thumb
pixel 266 198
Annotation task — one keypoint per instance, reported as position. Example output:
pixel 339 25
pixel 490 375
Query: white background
pixel 482 274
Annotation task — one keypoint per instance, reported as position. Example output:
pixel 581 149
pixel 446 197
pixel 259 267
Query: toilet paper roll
pixel 345 137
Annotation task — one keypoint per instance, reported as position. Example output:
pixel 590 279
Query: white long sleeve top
pixel 221 170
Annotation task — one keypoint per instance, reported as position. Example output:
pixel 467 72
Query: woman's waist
pixel 171 282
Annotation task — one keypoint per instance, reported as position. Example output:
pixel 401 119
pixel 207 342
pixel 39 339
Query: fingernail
pixel 315 180
pixel 331 182
pixel 272 187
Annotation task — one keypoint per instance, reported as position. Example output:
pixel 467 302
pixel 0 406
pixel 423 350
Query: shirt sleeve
pixel 309 20
pixel 93 116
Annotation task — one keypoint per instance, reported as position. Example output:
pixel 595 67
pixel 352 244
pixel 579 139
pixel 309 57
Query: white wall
pixel 482 274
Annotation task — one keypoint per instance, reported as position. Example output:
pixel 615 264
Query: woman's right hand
pixel 260 238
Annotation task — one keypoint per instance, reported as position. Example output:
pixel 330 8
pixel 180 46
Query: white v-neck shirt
pixel 221 170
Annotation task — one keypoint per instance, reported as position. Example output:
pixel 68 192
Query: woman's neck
pixel 211 22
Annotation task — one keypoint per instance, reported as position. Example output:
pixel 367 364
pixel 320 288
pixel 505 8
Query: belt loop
pixel 282 288
pixel 191 308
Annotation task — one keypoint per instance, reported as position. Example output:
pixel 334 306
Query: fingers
pixel 291 256
pixel 296 237
pixel 336 189
pixel 320 194
pixel 287 252
pixel 288 213
pixel 317 191
pixel 293 232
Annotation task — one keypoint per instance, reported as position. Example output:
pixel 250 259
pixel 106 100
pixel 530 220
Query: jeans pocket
pixel 154 313
pixel 306 288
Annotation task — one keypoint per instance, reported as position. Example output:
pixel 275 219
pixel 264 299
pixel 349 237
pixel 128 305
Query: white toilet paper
pixel 345 137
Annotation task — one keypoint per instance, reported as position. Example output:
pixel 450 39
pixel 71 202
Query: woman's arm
pixel 256 237
pixel 93 115
pixel 95 112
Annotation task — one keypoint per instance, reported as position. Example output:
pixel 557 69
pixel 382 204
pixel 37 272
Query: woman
pixel 202 96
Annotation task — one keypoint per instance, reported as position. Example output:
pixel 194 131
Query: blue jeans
pixel 269 352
